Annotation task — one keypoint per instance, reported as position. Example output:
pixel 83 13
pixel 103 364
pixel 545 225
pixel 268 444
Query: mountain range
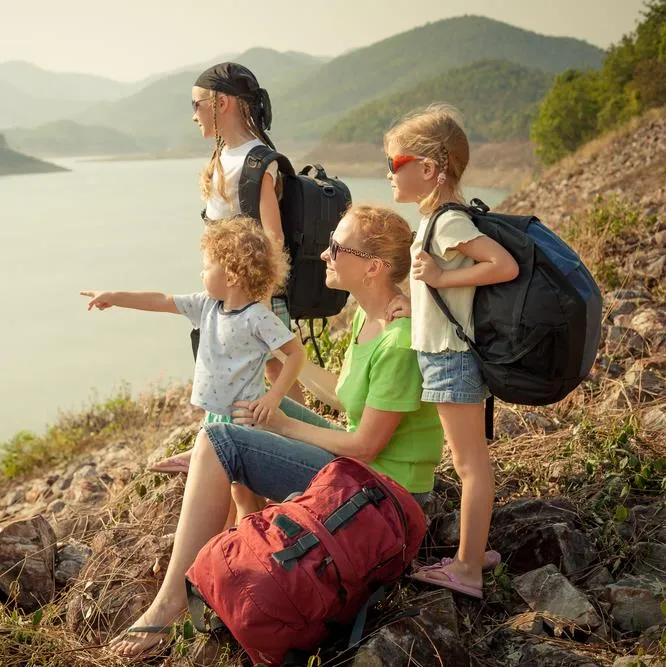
pixel 465 60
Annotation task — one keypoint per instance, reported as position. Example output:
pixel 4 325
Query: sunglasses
pixel 334 248
pixel 394 163
pixel 197 103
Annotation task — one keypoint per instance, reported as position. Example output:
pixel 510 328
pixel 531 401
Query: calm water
pixel 104 225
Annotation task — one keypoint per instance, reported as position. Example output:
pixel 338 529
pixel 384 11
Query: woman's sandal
pixel 154 650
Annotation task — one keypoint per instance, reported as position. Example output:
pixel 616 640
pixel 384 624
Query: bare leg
pixel 463 425
pixel 246 501
pixel 273 368
pixel 203 515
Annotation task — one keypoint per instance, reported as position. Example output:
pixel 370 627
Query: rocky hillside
pixel 579 515
pixel 629 163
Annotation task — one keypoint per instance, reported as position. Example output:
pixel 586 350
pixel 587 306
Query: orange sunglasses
pixel 394 163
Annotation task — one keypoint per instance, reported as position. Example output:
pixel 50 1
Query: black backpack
pixel 311 206
pixel 535 337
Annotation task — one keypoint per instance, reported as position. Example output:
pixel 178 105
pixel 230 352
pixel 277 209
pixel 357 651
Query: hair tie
pixel 441 178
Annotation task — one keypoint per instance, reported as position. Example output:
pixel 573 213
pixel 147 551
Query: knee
pixel 219 448
pixel 203 447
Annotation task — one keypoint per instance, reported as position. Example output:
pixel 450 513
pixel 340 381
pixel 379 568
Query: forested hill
pixel 396 63
pixel 498 100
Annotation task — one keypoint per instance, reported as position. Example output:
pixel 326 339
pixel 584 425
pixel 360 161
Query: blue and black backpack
pixel 535 337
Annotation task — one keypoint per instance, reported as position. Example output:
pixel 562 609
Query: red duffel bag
pixel 286 574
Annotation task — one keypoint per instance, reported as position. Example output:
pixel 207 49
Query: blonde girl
pixel 232 109
pixel 427 154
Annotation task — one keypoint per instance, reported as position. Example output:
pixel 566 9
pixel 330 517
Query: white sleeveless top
pixel 232 160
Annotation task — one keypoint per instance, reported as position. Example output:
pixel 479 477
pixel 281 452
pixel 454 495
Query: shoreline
pixel 507 166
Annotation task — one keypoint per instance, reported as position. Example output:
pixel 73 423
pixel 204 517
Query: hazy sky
pixel 130 39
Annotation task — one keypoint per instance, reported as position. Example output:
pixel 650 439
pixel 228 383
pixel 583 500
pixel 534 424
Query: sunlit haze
pixel 129 39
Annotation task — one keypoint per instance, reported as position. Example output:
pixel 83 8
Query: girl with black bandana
pixel 232 109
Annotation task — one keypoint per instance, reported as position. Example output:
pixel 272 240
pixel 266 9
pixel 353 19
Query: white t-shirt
pixel 232 160
pixel 232 352
pixel 431 329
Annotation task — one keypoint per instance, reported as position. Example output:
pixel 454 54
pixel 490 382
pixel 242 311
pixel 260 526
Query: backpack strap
pixel 252 173
pixel 427 242
pixel 477 207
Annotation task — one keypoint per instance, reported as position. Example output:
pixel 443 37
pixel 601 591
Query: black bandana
pixel 237 80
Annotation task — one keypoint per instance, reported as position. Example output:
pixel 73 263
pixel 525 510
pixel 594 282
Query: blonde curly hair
pixel 249 255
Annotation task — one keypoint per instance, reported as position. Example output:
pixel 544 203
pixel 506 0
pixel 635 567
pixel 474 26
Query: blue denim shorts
pixel 451 377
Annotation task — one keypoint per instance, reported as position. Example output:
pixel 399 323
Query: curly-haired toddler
pixel 241 266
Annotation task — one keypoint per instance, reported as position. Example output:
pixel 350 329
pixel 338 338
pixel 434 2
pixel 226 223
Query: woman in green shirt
pixel 379 388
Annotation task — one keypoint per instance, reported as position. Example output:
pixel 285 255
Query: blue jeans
pixel 269 464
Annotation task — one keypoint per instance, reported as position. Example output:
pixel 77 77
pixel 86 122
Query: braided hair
pixel 254 105
pixel 437 133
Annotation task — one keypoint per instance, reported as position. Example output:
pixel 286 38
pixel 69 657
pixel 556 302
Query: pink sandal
pixel 432 574
pixel 491 559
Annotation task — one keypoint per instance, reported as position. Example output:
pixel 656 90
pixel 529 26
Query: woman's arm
pixel 373 434
pixel 152 301
pixel 493 264
pixel 269 209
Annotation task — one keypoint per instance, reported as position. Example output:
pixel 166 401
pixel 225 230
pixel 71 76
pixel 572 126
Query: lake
pixel 104 225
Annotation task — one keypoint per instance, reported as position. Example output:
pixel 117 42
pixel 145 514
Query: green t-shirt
pixel 384 374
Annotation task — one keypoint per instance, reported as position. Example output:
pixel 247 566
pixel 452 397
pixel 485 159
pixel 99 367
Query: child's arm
pixel 293 360
pixel 319 381
pixel 269 210
pixel 399 306
pixel 153 301
pixel 493 264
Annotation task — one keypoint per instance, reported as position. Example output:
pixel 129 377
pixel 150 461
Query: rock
pixel 645 380
pixel 210 649
pixel 655 267
pixel 424 638
pixel 633 294
pixel 545 654
pixel 622 341
pixel 444 529
pixel 56 506
pixel 654 419
pixel 635 602
pixel 533 532
pixel 639 661
pixel 70 560
pixel 529 622
pixel 116 584
pixel 650 558
pixel 27 561
pixel 613 368
pixel 549 591
pixel 647 322
pixel 599 579
pixel 650 640
pixel 622 308
pixel 539 421
pixel 648 520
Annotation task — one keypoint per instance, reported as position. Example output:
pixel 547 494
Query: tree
pixel 567 116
